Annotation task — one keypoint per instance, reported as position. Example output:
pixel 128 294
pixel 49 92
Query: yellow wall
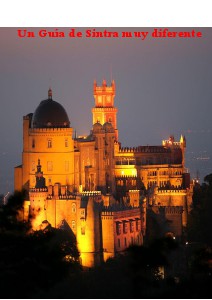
pixel 57 161
pixel 173 198
pixel 108 235
pixel 18 178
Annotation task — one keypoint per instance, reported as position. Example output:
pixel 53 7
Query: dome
pixel 97 126
pixel 50 113
pixel 108 126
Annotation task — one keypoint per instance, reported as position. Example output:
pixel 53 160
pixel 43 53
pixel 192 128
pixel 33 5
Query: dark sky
pixel 163 87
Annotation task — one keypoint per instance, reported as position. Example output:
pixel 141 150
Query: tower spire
pixel 50 93
pixel 39 167
pixel 40 180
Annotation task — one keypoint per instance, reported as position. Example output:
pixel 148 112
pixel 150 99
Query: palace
pixel 101 191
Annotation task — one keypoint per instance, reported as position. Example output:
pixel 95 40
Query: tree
pixel 200 221
pixel 32 262
pixel 199 245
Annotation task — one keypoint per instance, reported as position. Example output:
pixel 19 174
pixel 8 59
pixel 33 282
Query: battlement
pixel 127 149
pixel 28 117
pixel 62 197
pixel 145 149
pixel 169 143
pixel 107 213
pixel 168 209
pixel 90 193
pixel 130 213
pixel 38 190
pixel 173 210
pixel 175 191
pixel 100 108
pixel 104 88
pixel 51 129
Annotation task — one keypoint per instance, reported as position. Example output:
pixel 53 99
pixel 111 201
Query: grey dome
pixel 50 113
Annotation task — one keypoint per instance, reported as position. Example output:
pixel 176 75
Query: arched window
pixel 73 225
pixel 125 227
pixel 118 228
pixel 131 226
pixel 74 208
pixel 49 143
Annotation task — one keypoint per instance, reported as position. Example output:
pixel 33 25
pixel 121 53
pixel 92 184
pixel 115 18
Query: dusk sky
pixel 163 87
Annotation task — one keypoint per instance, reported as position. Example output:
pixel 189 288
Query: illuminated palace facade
pixel 100 190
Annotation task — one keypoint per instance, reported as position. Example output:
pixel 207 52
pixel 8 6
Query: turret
pixel 89 239
pixel 183 141
pixel 183 146
pixel 104 110
pixel 38 196
pixel 40 180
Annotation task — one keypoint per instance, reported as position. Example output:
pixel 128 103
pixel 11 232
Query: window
pixel 73 225
pixel 73 208
pixel 119 243
pixel 118 228
pixel 131 226
pixel 33 143
pixel 125 227
pixel 138 225
pixel 66 142
pixel 49 166
pixel 125 242
pixel 83 230
pixel 49 143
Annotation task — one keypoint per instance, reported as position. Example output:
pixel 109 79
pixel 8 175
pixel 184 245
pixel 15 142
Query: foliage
pixel 9 214
pixel 44 264
pixel 200 221
pixel 32 262
pixel 199 245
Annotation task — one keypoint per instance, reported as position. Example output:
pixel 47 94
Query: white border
pixel 105 13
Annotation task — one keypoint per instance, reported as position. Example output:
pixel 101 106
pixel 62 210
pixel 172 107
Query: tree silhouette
pixel 199 245
pixel 200 221
pixel 32 262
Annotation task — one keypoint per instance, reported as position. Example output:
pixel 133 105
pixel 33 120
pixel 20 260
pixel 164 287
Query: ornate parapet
pixel 173 210
pixel 107 215
pixel 38 190
pixel 173 192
